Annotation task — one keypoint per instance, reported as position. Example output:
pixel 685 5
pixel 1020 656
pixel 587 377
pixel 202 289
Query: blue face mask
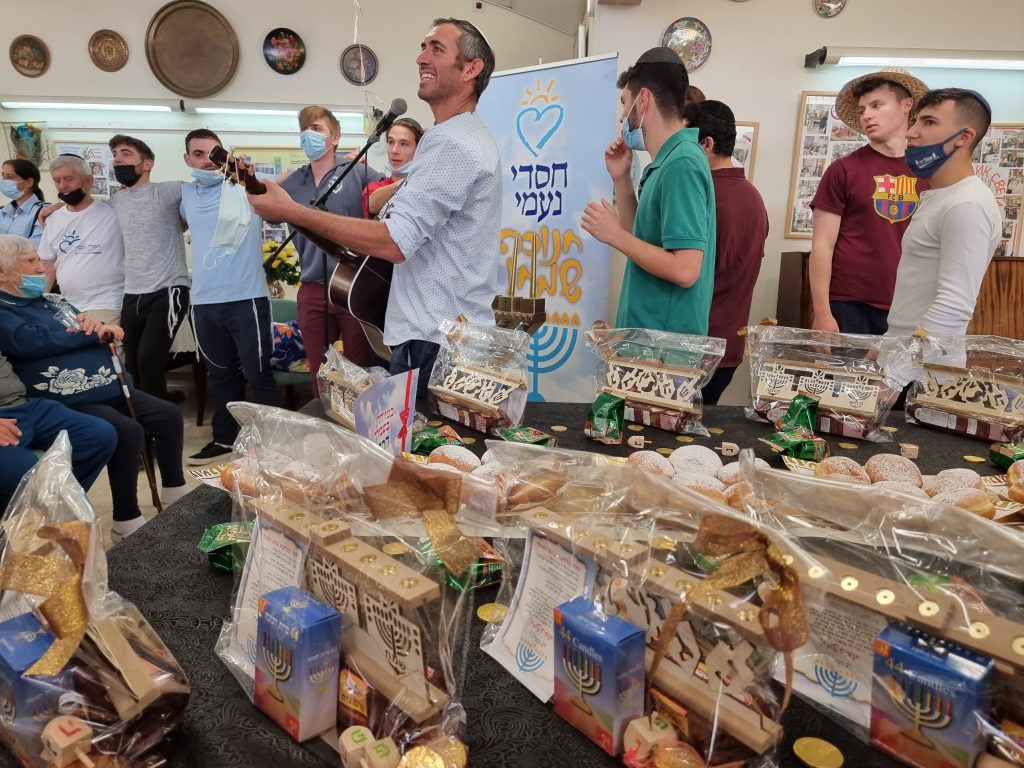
pixel 926 160
pixel 313 143
pixel 207 178
pixel 402 172
pixel 33 286
pixel 633 137
pixel 9 188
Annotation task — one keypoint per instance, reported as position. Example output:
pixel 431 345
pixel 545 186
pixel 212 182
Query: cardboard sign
pixel 384 411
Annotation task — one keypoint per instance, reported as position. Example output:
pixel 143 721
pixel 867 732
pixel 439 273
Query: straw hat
pixel 846 102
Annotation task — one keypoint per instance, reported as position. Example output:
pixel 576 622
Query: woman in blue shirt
pixel 20 182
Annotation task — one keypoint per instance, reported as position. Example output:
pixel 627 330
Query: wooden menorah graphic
pixel 320 672
pixel 278 657
pixel 585 674
pixel 924 706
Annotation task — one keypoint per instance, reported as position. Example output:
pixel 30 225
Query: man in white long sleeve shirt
pixel 950 241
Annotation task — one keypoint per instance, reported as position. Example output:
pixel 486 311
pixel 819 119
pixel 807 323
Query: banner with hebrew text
pixel 552 124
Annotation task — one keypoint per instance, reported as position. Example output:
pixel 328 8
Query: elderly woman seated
pixel 63 355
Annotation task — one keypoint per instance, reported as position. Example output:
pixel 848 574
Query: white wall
pixel 756 67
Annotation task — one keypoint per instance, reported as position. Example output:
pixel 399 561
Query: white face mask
pixel 233 219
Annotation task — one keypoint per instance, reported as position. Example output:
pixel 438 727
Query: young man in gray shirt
pixel 156 286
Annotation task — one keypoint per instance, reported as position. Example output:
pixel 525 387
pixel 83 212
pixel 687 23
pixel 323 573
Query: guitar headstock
pixel 237 170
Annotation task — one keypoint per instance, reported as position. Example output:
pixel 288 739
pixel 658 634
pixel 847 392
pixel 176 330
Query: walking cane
pixel 147 452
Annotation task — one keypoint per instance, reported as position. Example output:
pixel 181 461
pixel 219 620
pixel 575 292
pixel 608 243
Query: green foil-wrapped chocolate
pixel 527 435
pixel 794 435
pixel 426 440
pixel 802 414
pixel 225 544
pixel 484 572
pixel 605 418
pixel 1004 454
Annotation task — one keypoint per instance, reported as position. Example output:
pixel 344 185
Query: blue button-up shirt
pixel 22 220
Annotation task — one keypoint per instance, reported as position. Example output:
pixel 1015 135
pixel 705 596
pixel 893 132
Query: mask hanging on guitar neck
pixel 233 220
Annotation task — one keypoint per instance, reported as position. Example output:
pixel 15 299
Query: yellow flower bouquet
pixel 282 268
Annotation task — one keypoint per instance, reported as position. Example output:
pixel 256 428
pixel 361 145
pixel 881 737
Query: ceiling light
pixel 70 105
pixel 914 57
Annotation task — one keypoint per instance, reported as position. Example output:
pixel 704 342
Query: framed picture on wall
pixel 821 138
pixel 745 152
pixel 100 161
pixel 999 162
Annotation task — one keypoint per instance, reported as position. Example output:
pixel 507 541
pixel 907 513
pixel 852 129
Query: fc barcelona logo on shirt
pixel 895 197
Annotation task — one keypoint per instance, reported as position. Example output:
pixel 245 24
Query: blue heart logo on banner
pixel 538 123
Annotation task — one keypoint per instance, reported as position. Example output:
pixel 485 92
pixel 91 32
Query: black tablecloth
pixel 161 571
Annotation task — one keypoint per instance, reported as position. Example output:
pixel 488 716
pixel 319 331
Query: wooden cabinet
pixel 999 311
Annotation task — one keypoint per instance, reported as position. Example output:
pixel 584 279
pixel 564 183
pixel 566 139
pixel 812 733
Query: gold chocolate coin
pixel 395 548
pixel 664 542
pixel 684 439
pixel 664 451
pixel 451 750
pixel 559 428
pixel 974 459
pixel 434 423
pixel 889 429
pixel 848 446
pixel 491 612
pixel 681 756
pixel 421 757
pixel 716 430
pixel 635 427
pixel 467 440
pixel 817 753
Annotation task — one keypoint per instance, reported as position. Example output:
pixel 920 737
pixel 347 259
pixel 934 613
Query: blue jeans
pixel 858 317
pixel 92 443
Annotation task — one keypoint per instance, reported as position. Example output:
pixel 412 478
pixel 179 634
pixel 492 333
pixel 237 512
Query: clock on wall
pixel 358 64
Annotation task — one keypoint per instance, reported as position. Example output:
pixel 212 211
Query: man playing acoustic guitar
pixel 441 228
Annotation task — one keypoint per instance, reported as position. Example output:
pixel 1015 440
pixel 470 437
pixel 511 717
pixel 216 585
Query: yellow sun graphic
pixel 543 94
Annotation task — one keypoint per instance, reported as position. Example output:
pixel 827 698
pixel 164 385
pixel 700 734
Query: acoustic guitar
pixel 359 284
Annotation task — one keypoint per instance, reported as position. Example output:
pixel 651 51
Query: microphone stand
pixel 321 204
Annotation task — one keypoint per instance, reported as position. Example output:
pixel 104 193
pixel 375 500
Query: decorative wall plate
pixel 690 38
pixel 29 55
pixel 191 48
pixel 284 51
pixel 358 64
pixel 828 8
pixel 108 50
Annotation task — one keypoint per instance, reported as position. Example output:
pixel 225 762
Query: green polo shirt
pixel 675 210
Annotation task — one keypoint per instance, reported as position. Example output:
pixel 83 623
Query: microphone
pixel 398 107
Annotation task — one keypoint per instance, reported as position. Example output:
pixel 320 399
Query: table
pixel 161 571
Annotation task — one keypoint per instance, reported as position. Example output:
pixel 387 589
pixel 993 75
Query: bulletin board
pixel 100 160
pixel 999 162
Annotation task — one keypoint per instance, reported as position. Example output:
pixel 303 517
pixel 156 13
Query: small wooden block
pixel 645 733
pixel 637 441
pixel 353 744
pixel 370 568
pixel 382 754
pixel 908 450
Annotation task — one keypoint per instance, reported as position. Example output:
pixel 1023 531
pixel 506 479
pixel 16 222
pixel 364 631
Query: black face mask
pixel 126 174
pixel 74 197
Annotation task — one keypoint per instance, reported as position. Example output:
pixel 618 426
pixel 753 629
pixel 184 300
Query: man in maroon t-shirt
pixel 742 230
pixel 863 205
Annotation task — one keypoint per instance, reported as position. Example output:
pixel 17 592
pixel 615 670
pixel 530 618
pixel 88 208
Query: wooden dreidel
pixel 728 449
pixel 637 441
pixel 646 733
pixel 65 740
pixel 382 754
pixel 353 743
pixel 908 450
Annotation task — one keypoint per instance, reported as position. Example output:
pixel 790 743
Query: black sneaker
pixel 210 453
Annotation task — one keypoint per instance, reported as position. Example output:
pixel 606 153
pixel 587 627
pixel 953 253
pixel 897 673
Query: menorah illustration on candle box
pixel 278 660
pixel 925 706
pixel 584 672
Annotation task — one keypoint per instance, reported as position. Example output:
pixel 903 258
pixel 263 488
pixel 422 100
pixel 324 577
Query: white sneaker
pixel 124 528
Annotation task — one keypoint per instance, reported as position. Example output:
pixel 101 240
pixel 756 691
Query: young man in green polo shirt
pixel 668 235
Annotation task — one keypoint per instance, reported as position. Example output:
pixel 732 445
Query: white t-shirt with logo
pixel 89 254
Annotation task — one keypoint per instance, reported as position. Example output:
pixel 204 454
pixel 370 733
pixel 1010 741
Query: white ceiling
pixel 564 15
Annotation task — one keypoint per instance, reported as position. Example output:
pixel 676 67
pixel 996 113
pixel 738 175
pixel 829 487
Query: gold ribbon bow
pixel 748 553
pixel 60 582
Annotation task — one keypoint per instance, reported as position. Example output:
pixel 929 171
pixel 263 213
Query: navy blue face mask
pixel 925 160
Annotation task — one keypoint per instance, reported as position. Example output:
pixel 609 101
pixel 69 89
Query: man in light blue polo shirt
pixel 230 301
pixel 668 234
pixel 441 228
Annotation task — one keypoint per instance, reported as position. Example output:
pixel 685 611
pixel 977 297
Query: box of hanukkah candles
pixel 599 671
pixel 299 650
pixel 926 697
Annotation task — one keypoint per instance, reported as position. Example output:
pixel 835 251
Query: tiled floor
pixel 195 438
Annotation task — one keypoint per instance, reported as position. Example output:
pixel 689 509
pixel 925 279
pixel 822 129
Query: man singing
pixel 441 229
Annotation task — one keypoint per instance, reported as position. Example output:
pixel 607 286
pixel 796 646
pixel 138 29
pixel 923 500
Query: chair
pixel 284 311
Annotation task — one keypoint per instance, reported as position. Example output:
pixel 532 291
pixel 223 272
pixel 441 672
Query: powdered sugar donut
pixel 694 479
pixel 456 456
pixel 487 457
pixel 488 470
pixel 842 466
pixel 695 458
pixel 652 461
pixel 734 494
pixel 1015 474
pixel 893 467
pixel 730 473
pixel 955 479
pixel 971 499
pixel 902 487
